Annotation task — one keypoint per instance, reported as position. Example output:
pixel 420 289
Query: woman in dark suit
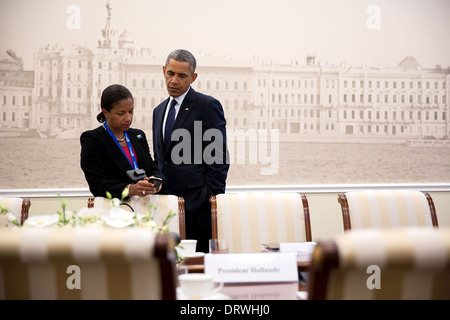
pixel 112 149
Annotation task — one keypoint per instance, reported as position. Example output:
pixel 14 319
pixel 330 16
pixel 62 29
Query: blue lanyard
pixel 130 148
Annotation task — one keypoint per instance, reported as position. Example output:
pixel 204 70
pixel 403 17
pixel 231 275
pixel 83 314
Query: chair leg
pixel 26 203
pixel 213 202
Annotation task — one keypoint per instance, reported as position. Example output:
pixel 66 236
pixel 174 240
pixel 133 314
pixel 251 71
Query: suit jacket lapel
pixel 119 158
pixel 183 113
pixel 185 109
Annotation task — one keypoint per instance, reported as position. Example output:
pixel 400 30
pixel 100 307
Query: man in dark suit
pixel 191 149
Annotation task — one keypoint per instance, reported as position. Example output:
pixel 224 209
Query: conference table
pixel 257 291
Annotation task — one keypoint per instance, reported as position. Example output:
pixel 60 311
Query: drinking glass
pixel 218 246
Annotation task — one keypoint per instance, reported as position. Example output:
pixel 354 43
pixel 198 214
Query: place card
pixel 303 250
pixel 252 267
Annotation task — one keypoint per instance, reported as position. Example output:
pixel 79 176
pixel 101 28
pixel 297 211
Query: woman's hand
pixel 145 187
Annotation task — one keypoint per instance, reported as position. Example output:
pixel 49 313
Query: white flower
pixel 91 212
pixel 149 225
pixel 42 221
pixel 120 214
pixel 116 223
pixel 11 218
pixel 119 218
pixel 115 202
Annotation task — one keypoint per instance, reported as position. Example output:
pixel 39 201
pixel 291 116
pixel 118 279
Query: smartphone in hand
pixel 156 181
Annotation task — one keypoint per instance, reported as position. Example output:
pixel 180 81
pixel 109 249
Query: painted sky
pixel 332 30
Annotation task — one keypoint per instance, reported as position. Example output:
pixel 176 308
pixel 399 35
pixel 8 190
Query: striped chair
pixel 406 263
pixel 86 263
pixel 249 219
pixel 162 204
pixel 19 207
pixel 387 208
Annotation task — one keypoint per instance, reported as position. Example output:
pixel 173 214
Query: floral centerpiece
pixel 9 216
pixel 114 217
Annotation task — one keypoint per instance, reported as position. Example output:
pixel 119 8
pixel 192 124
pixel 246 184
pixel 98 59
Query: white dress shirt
pixel 177 108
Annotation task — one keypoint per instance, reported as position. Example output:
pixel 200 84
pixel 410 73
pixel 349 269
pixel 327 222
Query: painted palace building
pixel 304 101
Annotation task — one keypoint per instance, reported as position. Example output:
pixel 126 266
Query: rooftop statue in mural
pixel 10 61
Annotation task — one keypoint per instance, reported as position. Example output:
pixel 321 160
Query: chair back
pixel 405 263
pixel 86 264
pixel 19 207
pixel 159 206
pixel 249 219
pixel 386 209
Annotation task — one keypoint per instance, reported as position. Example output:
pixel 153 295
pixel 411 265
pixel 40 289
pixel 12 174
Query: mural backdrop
pixel 314 92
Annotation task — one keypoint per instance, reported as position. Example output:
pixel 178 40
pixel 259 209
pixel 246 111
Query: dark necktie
pixel 169 123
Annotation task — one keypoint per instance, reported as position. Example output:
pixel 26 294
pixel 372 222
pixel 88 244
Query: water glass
pixel 218 246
